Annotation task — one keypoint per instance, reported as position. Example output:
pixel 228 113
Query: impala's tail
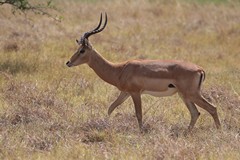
pixel 202 78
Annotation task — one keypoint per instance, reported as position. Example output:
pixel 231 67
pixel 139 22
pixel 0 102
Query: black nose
pixel 68 63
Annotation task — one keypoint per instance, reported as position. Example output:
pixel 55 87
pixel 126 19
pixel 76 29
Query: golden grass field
pixel 50 111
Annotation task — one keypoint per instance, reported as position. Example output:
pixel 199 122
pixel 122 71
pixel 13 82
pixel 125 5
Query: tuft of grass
pixel 211 1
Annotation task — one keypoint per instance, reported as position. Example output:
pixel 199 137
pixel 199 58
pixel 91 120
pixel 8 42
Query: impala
pixel 155 77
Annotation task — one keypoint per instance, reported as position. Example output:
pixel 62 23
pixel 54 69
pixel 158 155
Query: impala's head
pixel 82 55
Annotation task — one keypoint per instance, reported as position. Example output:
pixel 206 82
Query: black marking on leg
pixel 171 86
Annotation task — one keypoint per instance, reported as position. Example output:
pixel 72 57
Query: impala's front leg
pixel 138 108
pixel 121 98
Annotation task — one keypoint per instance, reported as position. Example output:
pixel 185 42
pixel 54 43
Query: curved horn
pixel 100 22
pixel 105 23
pixel 96 30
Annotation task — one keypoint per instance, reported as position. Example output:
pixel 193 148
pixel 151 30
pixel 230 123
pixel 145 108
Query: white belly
pixel 168 92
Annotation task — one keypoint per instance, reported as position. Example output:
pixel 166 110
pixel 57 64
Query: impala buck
pixel 155 77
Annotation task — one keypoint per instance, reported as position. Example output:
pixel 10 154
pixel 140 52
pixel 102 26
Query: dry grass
pixel 48 111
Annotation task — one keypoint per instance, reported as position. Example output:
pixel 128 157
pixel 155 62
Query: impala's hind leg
pixel 193 111
pixel 201 102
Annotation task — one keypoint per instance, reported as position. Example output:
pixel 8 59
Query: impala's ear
pixel 77 41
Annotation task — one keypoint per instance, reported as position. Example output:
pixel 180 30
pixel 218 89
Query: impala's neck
pixel 106 70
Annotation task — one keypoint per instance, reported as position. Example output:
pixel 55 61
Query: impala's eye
pixel 82 51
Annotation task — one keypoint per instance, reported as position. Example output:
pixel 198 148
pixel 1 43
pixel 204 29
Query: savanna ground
pixel 49 111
